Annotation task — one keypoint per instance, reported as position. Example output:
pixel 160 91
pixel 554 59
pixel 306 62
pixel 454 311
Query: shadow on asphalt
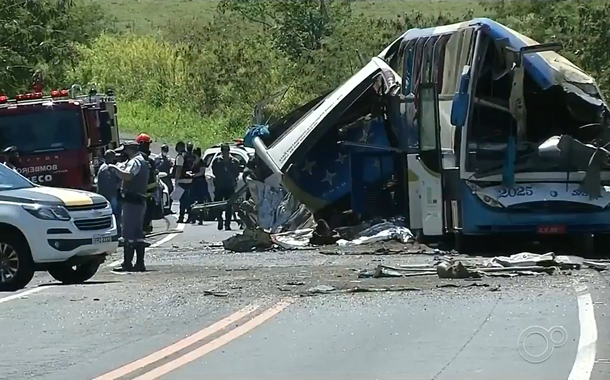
pixel 84 283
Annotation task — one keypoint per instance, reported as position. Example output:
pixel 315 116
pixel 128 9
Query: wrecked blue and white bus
pixel 470 129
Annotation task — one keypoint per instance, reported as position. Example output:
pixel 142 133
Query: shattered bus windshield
pixel 42 131
pixel 552 111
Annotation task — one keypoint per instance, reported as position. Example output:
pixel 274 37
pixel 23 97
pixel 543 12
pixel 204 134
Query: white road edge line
pixel 585 357
pixel 180 227
pixel 24 293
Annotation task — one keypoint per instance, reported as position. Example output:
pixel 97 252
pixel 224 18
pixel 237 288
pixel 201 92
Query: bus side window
pixel 412 74
pixel 447 131
pixel 428 61
pixel 428 131
pixel 418 63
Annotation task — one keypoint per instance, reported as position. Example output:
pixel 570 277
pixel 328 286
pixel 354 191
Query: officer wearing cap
pixel 12 157
pixel 134 176
pixel 226 170
pixel 144 142
pixel 164 164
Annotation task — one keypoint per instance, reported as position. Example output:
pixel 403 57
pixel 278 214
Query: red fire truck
pixel 58 136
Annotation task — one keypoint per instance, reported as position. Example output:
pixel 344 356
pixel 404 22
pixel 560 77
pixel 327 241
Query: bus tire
pixel 602 245
pixel 465 244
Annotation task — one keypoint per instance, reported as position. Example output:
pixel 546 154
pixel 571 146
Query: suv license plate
pixel 551 230
pixel 101 239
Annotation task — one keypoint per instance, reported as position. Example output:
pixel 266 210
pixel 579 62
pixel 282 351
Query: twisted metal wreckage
pixel 345 156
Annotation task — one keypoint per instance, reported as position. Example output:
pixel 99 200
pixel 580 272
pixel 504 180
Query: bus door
pixel 430 159
pixel 427 163
pixel 411 58
pixel 436 72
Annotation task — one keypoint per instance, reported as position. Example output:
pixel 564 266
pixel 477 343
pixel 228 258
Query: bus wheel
pixel 465 244
pixel 602 245
pixel 584 244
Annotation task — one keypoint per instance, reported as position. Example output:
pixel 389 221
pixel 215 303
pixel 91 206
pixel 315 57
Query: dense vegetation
pixel 200 78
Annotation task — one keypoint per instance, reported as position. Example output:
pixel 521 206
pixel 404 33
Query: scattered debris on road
pixel 215 293
pixel 348 240
pixel 599 265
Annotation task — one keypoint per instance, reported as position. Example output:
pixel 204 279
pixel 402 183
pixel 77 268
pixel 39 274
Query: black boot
pixel 127 265
pixel 139 267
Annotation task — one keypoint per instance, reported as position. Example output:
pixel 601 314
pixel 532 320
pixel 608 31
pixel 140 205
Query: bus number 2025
pixel 520 191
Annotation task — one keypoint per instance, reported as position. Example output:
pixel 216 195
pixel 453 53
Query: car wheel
pixel 74 274
pixel 16 265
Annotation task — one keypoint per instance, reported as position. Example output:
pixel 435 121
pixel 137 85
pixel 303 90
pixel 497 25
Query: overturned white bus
pixel 470 129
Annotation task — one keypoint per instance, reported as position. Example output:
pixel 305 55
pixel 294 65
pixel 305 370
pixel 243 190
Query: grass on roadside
pixel 170 124
pixel 143 16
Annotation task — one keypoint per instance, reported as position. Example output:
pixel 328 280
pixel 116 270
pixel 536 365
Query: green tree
pixel 297 27
pixel 40 37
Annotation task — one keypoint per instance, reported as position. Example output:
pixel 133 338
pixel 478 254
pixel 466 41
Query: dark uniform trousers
pixel 223 194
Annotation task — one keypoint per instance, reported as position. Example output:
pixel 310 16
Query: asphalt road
pixel 202 313
pixel 55 332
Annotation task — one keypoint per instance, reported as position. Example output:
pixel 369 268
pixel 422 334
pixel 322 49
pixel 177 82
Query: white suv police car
pixel 63 231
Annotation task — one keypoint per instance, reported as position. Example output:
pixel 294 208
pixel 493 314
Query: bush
pixel 172 124
pixel 200 80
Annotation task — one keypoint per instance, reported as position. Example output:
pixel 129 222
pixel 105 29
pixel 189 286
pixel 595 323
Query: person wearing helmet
pixel 144 142
pixel 11 155
pixel 164 164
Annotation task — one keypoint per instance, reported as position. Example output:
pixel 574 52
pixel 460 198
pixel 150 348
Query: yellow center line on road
pixel 218 342
pixel 180 345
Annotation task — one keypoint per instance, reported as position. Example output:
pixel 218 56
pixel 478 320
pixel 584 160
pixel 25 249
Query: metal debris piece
pixel 241 269
pixel 215 293
pixel 527 259
pixel 248 241
pixel 381 271
pixel 455 270
pixel 295 282
pixel 286 288
pixel 467 285
pixel 501 274
pixel 321 289
pixel 359 289
pixel 600 266
pixel 448 286
pixel 519 270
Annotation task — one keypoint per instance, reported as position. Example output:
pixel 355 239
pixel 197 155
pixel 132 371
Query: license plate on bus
pixel 101 239
pixel 551 230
